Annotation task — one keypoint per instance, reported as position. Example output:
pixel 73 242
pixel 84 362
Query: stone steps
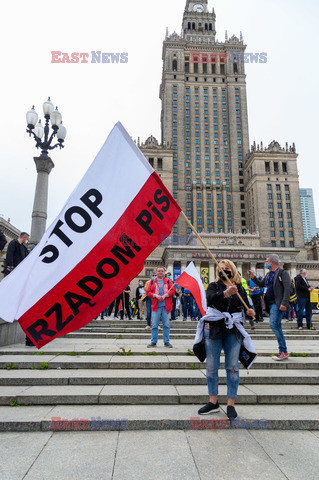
pixel 154 394
pixel 154 417
pixel 151 377
pixel 82 375
pixel 147 336
pixel 188 331
pixel 169 361
pixel 122 351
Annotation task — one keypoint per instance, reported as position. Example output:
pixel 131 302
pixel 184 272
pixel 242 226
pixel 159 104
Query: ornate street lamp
pixel 43 163
pixel 37 129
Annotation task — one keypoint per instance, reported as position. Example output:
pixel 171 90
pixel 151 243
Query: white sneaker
pixel 147 327
pixel 159 328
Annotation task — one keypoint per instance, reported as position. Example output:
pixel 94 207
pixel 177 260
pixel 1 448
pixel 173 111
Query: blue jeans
pixel 197 312
pixel 188 306
pixel 148 310
pixel 275 316
pixel 156 316
pixel 304 303
pixel 231 347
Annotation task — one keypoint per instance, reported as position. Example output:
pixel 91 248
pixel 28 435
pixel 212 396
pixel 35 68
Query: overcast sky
pixel 282 93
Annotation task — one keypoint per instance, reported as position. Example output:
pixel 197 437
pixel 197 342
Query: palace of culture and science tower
pixel 244 200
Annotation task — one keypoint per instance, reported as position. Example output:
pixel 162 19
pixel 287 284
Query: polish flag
pixel 116 216
pixel 191 280
pixel 120 306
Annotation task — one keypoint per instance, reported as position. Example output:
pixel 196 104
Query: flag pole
pixel 212 256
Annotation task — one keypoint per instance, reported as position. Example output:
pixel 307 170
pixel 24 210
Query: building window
pixel 276 168
pixel 267 167
pixel 273 243
pixel 151 160
pixel 291 244
pixel 278 187
pixel 268 187
pixel 284 167
pixel 282 243
pixel 272 233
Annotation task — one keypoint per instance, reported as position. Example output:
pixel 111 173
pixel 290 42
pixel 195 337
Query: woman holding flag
pixel 222 328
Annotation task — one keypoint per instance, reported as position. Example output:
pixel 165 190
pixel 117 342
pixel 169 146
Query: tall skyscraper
pixel 243 199
pixel 308 213
pixel 204 119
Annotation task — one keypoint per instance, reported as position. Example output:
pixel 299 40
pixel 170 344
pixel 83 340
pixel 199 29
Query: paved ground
pixel 185 455
pixel 156 441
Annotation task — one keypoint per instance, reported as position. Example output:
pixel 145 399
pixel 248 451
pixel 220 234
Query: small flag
pixel 191 280
pixel 120 306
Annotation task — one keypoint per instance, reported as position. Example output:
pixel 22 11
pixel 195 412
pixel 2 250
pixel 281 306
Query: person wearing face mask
pixel 277 287
pixel 223 329
pixel 303 290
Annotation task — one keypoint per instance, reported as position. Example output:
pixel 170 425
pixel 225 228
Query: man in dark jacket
pixel 303 290
pixel 277 294
pixel 3 240
pixel 16 252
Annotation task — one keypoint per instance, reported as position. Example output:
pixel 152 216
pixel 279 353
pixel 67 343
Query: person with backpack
pixel 277 290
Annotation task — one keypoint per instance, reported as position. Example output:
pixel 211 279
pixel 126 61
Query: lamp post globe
pixel 43 140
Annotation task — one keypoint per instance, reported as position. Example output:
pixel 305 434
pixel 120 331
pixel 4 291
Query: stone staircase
pixel 106 376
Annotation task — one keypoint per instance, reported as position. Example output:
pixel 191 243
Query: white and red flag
pixel 117 215
pixel 191 280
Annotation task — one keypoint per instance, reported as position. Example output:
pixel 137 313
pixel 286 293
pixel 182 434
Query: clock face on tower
pixel 198 7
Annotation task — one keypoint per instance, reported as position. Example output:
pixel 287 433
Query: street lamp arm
pixel 46 145
pixel 56 145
